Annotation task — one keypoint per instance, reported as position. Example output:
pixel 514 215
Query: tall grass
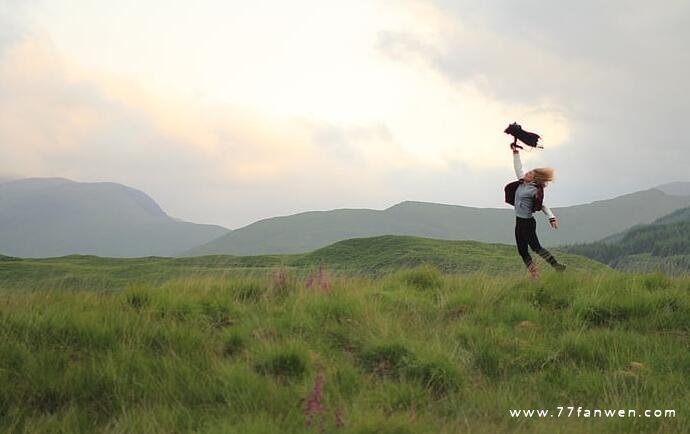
pixel 413 351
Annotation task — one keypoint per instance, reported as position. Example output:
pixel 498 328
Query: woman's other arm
pixel 552 218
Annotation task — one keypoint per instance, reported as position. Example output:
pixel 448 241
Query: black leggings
pixel 526 234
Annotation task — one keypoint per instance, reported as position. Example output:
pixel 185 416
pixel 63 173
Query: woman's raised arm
pixel 518 164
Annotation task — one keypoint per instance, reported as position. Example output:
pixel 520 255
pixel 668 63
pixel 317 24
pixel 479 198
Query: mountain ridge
pixel 57 216
pixel 663 245
pixel 310 230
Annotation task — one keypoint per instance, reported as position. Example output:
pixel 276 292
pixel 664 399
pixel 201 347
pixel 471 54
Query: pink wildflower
pixel 324 280
pixel 312 406
pixel 339 423
pixel 279 278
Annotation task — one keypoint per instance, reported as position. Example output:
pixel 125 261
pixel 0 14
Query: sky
pixel 228 112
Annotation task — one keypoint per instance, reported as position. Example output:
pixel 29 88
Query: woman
pixel 527 194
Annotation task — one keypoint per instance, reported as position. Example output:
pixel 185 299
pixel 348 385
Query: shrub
pixel 58 329
pixel 249 391
pixel 333 308
pixel 423 277
pixel 346 381
pixel 604 315
pixel 386 359
pixel 137 297
pixel 584 350
pixel 92 388
pixel 670 302
pixel 340 337
pixel 656 281
pixel 548 299
pixel 234 343
pixel 249 292
pixel 455 310
pixel 217 313
pixel 400 396
pixel 181 340
pixel 516 312
pixel 284 362
pixel 489 360
pixel 175 306
pixel 439 375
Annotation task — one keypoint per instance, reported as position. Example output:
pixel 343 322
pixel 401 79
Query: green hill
pixel 308 231
pixel 8 258
pixel 391 252
pixel 42 217
pixel 664 244
pixel 679 215
pixel 370 256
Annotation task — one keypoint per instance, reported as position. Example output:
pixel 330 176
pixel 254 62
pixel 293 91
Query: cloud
pixel 232 126
pixel 206 162
pixel 530 50
pixel 57 120
pixel 15 22
pixel 617 71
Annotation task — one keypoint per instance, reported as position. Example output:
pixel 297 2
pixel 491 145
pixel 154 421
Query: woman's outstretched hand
pixel 515 148
pixel 553 222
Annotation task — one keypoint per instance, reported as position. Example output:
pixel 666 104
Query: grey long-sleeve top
pixel 524 195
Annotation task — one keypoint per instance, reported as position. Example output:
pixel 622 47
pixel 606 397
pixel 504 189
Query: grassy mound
pixel 391 252
pixel 375 256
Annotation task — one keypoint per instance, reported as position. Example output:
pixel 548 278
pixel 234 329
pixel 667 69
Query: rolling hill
pixel 663 244
pixel 311 230
pixel 42 217
pixel 360 256
pixel 391 252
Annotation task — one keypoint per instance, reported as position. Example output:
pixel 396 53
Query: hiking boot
pixel 559 267
pixel 533 271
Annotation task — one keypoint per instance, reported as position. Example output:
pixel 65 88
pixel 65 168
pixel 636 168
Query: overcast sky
pixel 228 112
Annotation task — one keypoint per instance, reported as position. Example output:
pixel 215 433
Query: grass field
pixel 284 349
pixel 374 256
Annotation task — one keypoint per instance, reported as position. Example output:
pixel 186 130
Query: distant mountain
pixel 55 216
pixel 679 215
pixel 663 244
pixel 312 230
pixel 675 188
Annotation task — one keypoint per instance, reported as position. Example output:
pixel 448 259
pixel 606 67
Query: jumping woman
pixel 527 195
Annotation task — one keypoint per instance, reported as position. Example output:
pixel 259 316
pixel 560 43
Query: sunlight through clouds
pixel 303 60
pixel 275 107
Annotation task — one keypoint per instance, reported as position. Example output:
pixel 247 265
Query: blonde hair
pixel 543 175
